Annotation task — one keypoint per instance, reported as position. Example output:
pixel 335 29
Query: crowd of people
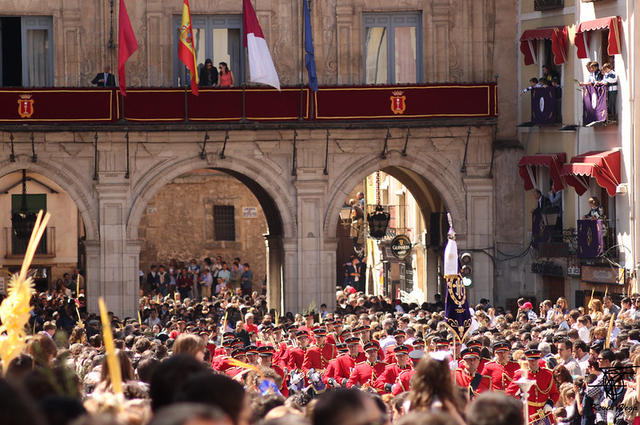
pixel 195 281
pixel 227 358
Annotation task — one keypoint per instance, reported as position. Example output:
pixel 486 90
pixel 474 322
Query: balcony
pixel 541 5
pixel 16 248
pixel 150 106
pixel 546 106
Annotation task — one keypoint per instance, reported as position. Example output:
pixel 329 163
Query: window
pixel 34 203
pixel 215 37
pixel 392 48
pixel 224 223
pixel 27 51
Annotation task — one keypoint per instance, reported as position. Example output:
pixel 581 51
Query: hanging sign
pixel 400 247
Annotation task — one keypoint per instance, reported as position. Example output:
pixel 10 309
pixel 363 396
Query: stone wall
pixel 178 223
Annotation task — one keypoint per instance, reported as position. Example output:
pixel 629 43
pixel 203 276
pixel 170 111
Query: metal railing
pixel 16 248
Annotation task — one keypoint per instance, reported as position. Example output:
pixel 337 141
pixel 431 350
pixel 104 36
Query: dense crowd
pixel 228 359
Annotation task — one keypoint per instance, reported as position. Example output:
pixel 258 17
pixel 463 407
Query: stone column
pixel 114 277
pixel 480 235
pixel 274 271
pixel 312 258
pixel 290 286
pixel 92 274
pixel 431 258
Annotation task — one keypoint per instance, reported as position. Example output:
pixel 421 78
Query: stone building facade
pixel 299 172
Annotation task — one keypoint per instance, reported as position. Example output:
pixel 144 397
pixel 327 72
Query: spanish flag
pixel 186 51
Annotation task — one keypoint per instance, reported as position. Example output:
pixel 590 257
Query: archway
pixel 435 191
pixel 269 200
pixel 61 250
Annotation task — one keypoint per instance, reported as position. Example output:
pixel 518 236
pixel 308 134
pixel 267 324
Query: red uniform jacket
pixel 365 374
pixel 346 363
pixel 389 376
pixel 221 363
pixel 465 380
pixel 403 382
pixel 330 371
pixel 318 358
pixel 501 375
pixel 295 358
pixel 284 390
pixel 281 355
pixel 540 393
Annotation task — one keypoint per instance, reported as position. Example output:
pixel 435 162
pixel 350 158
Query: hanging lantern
pixel 22 221
pixel 378 222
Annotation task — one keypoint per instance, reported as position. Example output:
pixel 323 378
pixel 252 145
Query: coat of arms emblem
pixel 25 106
pixel 398 102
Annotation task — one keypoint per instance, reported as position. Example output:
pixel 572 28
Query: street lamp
pixel 345 216
pixel 378 222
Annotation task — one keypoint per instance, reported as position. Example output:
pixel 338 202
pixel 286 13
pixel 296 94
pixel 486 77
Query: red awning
pixel 604 166
pixel 612 23
pixel 553 161
pixel 559 41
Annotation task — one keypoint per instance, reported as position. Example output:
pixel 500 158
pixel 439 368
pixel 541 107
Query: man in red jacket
pixel 469 377
pixel 501 369
pixel 331 371
pixel 542 393
pixel 318 356
pixel 385 382
pixel 266 360
pixel 296 354
pixel 364 374
pixel 348 361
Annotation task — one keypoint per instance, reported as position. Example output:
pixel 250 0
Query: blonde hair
pixel 188 344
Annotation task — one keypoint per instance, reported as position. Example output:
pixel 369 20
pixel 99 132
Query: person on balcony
pixel 533 83
pixel 105 78
pixel 208 74
pixel 594 74
pixel 596 212
pixel 542 202
pixel 548 74
pixel 610 80
pixel 226 76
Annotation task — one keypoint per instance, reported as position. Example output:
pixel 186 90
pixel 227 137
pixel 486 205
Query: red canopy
pixel 553 161
pixel 604 166
pixel 612 23
pixel 559 41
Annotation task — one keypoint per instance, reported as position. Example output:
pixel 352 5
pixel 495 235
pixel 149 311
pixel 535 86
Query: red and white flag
pixel 127 44
pixel 261 68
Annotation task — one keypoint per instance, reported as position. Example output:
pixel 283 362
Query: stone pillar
pixel 312 257
pixel 131 287
pixel 328 274
pixel 290 283
pixel 432 274
pixel 92 274
pixel 480 231
pixel 274 271
pixel 114 277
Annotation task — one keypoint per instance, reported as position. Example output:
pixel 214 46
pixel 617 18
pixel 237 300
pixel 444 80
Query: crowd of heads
pixel 167 356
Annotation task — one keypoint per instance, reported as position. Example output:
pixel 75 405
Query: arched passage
pixel 436 191
pixel 265 184
pixel 35 186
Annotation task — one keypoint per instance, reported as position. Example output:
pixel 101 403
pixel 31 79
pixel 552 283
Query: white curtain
pixel 38 58
pixel 405 55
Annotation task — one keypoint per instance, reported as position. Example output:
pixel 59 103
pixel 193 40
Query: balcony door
pixel 27 51
pixel 215 37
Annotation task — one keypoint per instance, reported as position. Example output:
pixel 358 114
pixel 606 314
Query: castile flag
pixel 261 68
pixel 127 44
pixel 186 51
pixel 456 306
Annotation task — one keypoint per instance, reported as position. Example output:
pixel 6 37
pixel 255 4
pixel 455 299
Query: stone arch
pixel 262 179
pixel 434 173
pixel 265 182
pixel 69 181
